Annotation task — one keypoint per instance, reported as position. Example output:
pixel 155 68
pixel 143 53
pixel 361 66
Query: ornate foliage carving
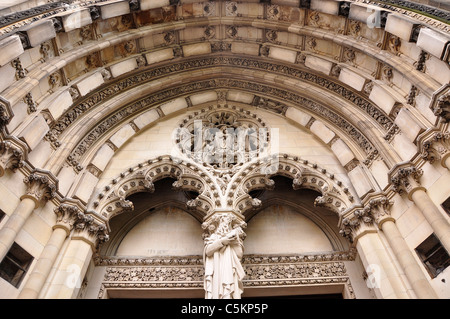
pixel 42 185
pixel 188 272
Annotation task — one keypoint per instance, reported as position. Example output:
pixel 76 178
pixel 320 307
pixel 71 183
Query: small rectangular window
pixel 15 265
pixel 446 205
pixel 433 255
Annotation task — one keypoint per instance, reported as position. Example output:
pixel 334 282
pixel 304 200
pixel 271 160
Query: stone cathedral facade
pixel 301 146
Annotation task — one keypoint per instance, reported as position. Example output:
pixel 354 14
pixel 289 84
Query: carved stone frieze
pixel 260 271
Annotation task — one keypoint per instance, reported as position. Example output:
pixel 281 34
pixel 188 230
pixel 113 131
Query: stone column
pixel 405 177
pixel 379 208
pixel 382 276
pixel 222 255
pixel 67 215
pixel 87 235
pixel 436 148
pixel 42 186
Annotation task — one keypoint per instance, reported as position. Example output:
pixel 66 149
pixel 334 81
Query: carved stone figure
pixel 222 257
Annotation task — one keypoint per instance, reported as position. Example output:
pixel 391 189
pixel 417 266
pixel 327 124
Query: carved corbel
pixel 12 154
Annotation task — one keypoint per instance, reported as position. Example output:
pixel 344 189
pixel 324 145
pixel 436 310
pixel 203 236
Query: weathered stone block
pixel 114 9
pixel 35 131
pixel 66 177
pixel 7 76
pixel 404 147
pixel 352 79
pixel 160 55
pixel 123 67
pixel 75 20
pixel 318 64
pixel 203 97
pixel 298 116
pixel 407 124
pixel 400 26
pixel 245 48
pixel 102 157
pixel 10 47
pixel 371 15
pixel 122 135
pixel 238 96
pixel 329 7
pixel 39 32
pixel 174 105
pixel 60 104
pixel 196 49
pixel 382 98
pixel 433 42
pixel 85 187
pixel 289 3
pixel 380 173
pixel 152 4
pixel 360 181
pixel 342 152
pixel 144 119
pixel 283 54
pixel 322 132
pixel 39 156
pixel 90 83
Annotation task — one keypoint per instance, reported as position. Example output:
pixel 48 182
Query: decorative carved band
pixel 190 88
pixel 261 271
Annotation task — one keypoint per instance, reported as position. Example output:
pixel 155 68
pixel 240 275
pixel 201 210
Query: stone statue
pixel 222 257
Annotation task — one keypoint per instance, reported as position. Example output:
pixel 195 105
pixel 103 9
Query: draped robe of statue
pixel 223 269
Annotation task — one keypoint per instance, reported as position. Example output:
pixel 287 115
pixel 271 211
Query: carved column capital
pixel 88 229
pixel 213 220
pixel 67 214
pixel 12 154
pixel 405 177
pixel 436 147
pixel 42 186
pixel 379 208
pixel 440 104
pixel 356 223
